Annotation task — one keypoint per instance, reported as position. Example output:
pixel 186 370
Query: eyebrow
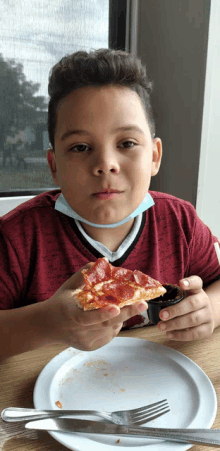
pixel 114 130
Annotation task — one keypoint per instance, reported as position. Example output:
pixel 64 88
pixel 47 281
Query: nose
pixel 105 163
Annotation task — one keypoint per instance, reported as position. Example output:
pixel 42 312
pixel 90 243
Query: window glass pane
pixel 35 34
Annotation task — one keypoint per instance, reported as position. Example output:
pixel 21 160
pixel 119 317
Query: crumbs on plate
pixel 58 404
pixel 118 441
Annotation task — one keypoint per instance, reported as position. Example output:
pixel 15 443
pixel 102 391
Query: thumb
pixel 193 284
pixel 77 279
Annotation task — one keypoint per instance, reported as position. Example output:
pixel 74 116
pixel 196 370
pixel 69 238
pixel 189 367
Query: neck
pixel 111 238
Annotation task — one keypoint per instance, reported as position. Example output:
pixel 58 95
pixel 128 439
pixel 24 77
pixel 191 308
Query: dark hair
pixel 96 68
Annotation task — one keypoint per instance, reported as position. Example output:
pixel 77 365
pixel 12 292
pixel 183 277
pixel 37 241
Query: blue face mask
pixel 63 206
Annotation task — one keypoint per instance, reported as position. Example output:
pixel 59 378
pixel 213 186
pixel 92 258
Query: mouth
pixel 108 191
pixel 108 194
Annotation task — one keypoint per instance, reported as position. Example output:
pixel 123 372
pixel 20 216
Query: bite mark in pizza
pixel 106 284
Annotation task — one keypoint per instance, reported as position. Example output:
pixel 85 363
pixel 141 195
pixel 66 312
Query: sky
pixel 38 33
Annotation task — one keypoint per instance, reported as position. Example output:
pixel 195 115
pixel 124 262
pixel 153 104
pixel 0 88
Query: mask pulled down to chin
pixel 63 206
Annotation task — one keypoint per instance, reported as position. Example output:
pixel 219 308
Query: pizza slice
pixel 106 284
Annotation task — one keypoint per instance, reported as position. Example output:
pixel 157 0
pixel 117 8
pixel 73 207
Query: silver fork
pixel 127 417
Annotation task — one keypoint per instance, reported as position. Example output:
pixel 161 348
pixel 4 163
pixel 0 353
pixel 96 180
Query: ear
pixel 51 159
pixel 156 156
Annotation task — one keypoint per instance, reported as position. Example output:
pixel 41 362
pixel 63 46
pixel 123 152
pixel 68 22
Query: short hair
pixel 100 67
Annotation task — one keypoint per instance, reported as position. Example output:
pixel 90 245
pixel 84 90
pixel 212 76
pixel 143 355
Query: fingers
pixel 193 333
pixel 76 280
pixel 132 310
pixel 193 284
pixel 192 319
pixel 98 316
pixel 187 305
pixel 102 339
pixel 92 317
pixel 102 326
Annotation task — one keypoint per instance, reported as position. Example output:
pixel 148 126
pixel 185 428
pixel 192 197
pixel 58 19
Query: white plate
pixel 125 374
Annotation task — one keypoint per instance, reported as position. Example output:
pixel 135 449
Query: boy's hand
pixel 193 317
pixel 84 330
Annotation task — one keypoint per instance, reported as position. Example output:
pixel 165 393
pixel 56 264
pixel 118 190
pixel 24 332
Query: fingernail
pixel 165 314
pixel 170 335
pixel 163 327
pixel 185 283
pixel 142 307
pixel 112 310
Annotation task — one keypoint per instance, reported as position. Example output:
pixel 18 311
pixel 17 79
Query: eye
pixel 73 148
pixel 81 147
pixel 130 142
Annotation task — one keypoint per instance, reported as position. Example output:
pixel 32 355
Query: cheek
pixel 69 173
pixel 141 170
pixel 81 176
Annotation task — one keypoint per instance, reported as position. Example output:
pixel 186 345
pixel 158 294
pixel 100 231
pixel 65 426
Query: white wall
pixel 208 197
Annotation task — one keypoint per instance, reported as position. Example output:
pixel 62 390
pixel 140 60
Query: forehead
pixel 109 105
pixel 105 96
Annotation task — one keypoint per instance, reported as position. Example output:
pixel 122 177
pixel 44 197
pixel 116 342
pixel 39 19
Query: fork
pixel 138 416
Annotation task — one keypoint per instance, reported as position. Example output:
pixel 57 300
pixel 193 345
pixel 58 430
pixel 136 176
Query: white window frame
pixel 208 193
pixel 9 203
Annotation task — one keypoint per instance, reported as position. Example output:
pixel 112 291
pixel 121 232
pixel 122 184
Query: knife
pixel 195 436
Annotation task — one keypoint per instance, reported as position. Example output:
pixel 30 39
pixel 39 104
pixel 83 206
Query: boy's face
pixel 85 163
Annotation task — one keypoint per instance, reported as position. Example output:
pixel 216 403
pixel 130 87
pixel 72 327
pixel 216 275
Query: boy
pixel 101 130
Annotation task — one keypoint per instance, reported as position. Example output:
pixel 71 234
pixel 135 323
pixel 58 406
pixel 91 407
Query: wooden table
pixel 18 376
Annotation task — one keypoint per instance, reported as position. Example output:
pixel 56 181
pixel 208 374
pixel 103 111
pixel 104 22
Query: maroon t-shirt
pixel 41 248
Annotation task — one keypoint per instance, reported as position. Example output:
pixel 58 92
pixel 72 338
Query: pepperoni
pixel 103 270
pixel 121 274
pixel 144 281
pixel 100 272
pixel 119 290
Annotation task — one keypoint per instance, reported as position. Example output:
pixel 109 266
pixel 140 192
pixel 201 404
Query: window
pixel 35 34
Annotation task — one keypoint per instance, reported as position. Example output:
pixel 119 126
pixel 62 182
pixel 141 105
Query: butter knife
pixel 195 436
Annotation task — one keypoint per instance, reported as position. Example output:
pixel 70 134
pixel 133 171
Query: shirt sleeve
pixel 10 275
pixel 203 259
